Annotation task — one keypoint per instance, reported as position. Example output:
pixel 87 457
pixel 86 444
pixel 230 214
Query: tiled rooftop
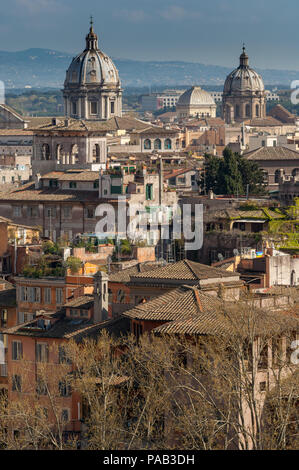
pixel 272 153
pixel 185 270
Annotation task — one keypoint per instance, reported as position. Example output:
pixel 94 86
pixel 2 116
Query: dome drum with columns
pixel 243 94
pixel 92 88
pixel 196 102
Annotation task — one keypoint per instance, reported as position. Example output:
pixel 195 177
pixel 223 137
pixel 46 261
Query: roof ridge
pixel 187 261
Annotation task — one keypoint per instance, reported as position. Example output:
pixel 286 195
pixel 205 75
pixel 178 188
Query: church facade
pixel 92 88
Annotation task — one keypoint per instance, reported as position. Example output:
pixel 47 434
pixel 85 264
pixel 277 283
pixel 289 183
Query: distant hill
pixel 46 68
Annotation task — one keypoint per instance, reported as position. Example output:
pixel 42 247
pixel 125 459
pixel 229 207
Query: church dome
pixel 92 66
pixel 195 96
pixel 243 79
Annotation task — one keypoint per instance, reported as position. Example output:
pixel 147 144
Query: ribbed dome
pixel 92 66
pixel 243 78
pixel 195 96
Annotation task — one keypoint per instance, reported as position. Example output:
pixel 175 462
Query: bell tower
pixel 100 297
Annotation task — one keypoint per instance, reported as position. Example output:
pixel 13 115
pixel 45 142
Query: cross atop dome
pixel 243 57
pixel 91 38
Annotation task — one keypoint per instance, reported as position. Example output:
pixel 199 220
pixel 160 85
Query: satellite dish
pixel 236 252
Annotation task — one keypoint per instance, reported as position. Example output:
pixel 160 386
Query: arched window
pixel 247 110
pixel 157 144
pixel 58 151
pixel 295 172
pixel 45 152
pixel 167 144
pixel 257 110
pixel 276 176
pixel 147 144
pixel 75 153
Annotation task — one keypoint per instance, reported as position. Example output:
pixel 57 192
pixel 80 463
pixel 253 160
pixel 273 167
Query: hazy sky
pixel 207 31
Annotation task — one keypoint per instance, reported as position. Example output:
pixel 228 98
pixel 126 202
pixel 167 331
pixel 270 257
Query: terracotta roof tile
pixel 272 153
pixel 185 270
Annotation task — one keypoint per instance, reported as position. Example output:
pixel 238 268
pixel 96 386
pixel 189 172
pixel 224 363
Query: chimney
pixel 100 297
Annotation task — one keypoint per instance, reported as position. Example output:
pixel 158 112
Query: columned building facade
pixel 243 94
pixel 92 88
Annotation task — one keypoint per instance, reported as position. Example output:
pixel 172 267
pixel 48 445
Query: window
pixel 42 352
pixel 74 107
pixel 16 383
pixel 157 144
pixel 17 211
pixel 67 212
pixel 89 212
pixel 93 107
pixel 64 389
pixel 138 330
pixel 51 212
pixel 257 110
pixel 149 192
pixel 41 386
pixel 147 144
pixel 21 318
pixel 62 356
pixel 45 152
pixel 182 180
pixel 263 357
pixel 3 318
pixel 47 295
pixel 65 415
pixel 247 110
pixel 73 184
pixel 59 296
pixel 167 144
pixel 112 107
pixel 33 294
pixel 263 386
pixel 96 184
pixel 23 294
pixel 276 176
pixel 32 211
pixel 53 184
pixel 17 350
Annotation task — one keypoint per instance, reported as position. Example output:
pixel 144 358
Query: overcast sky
pixel 210 32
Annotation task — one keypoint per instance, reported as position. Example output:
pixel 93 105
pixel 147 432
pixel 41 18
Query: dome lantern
pixel 91 38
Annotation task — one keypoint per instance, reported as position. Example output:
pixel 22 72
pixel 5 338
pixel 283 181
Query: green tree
pixel 231 182
pixel 232 174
